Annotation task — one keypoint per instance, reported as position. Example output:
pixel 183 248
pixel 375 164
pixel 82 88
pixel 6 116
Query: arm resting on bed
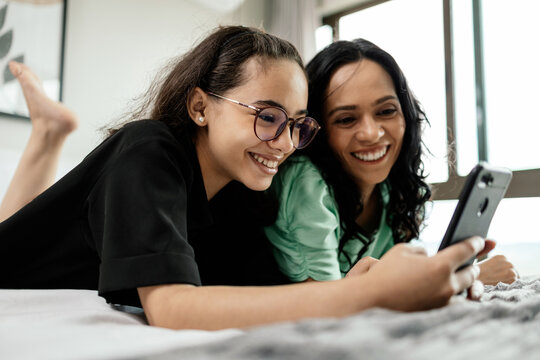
pixel 405 279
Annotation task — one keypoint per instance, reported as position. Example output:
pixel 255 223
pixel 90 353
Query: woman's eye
pixel 267 118
pixel 387 112
pixel 344 121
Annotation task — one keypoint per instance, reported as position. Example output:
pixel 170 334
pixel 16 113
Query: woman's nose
pixel 284 141
pixel 368 130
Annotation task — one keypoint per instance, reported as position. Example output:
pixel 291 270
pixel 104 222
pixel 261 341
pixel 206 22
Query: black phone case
pixel 484 188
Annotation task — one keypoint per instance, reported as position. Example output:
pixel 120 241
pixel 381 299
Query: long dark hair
pixel 217 64
pixel 408 190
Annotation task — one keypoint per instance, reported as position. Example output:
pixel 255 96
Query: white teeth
pixel 268 163
pixel 372 156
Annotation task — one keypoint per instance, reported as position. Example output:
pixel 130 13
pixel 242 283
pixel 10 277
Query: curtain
pixel 295 21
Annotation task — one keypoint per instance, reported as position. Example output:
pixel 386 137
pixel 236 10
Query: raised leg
pixel 52 122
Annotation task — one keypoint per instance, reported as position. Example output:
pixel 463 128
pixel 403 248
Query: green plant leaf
pixel 5 43
pixel 3 12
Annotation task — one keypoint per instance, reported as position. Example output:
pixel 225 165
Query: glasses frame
pixel 282 126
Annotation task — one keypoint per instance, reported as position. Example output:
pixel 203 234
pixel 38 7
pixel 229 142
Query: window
pixel 426 77
pixel 474 66
pixel 511 58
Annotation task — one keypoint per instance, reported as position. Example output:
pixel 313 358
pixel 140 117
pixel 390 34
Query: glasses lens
pixel 304 130
pixel 270 123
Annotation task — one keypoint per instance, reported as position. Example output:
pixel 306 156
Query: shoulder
pixel 144 131
pixel 301 184
pixel 147 139
pixel 301 163
pixel 298 169
pixel 132 135
pixel 145 147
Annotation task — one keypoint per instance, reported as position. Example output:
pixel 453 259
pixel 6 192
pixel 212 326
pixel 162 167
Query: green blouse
pixel 307 230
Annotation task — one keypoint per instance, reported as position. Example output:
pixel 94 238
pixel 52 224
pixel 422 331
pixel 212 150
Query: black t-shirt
pixel 130 215
pixel 236 242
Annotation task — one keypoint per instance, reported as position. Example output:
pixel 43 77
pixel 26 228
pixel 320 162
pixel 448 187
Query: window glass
pixel 512 75
pixel 510 64
pixel 323 37
pixel 464 86
pixel 510 228
pixel 412 31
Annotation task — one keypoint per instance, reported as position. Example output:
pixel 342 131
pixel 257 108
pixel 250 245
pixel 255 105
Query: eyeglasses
pixel 270 122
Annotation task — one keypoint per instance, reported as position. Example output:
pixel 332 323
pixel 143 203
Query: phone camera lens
pixel 486 180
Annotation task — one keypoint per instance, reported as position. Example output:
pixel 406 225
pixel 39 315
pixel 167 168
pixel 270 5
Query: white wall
pixel 113 48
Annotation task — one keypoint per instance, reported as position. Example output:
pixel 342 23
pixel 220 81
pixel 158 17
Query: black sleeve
pixel 137 216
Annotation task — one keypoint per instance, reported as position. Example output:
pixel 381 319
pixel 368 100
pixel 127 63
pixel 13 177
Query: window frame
pixel 525 183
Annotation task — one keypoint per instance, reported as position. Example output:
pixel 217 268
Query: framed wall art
pixel 31 32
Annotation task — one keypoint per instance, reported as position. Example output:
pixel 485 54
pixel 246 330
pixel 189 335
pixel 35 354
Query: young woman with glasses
pixel 127 221
pixel 359 188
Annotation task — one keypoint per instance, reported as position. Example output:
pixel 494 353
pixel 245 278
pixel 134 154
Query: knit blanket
pixel 505 324
pixel 78 324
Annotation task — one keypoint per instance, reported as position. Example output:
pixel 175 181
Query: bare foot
pixel 49 118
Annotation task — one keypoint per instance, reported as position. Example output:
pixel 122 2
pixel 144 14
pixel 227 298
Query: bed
pixel 77 324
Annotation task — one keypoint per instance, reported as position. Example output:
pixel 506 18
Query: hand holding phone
pixel 484 188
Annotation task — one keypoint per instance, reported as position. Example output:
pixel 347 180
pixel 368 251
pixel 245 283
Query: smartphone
pixel 484 188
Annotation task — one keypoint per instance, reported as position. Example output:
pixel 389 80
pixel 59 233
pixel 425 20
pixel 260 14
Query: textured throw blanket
pixel 504 325
pixel 78 324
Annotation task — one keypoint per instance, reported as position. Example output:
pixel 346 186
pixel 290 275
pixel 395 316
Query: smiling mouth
pixel 271 164
pixel 371 155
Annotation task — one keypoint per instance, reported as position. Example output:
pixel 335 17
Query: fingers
pixel 459 253
pixel 497 269
pixel 466 277
pixel 475 291
pixel 489 245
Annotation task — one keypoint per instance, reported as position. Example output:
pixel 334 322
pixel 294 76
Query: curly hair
pixel 408 189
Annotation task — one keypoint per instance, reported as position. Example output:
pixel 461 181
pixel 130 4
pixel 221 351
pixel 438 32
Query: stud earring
pixel 201 119
pixel 381 132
